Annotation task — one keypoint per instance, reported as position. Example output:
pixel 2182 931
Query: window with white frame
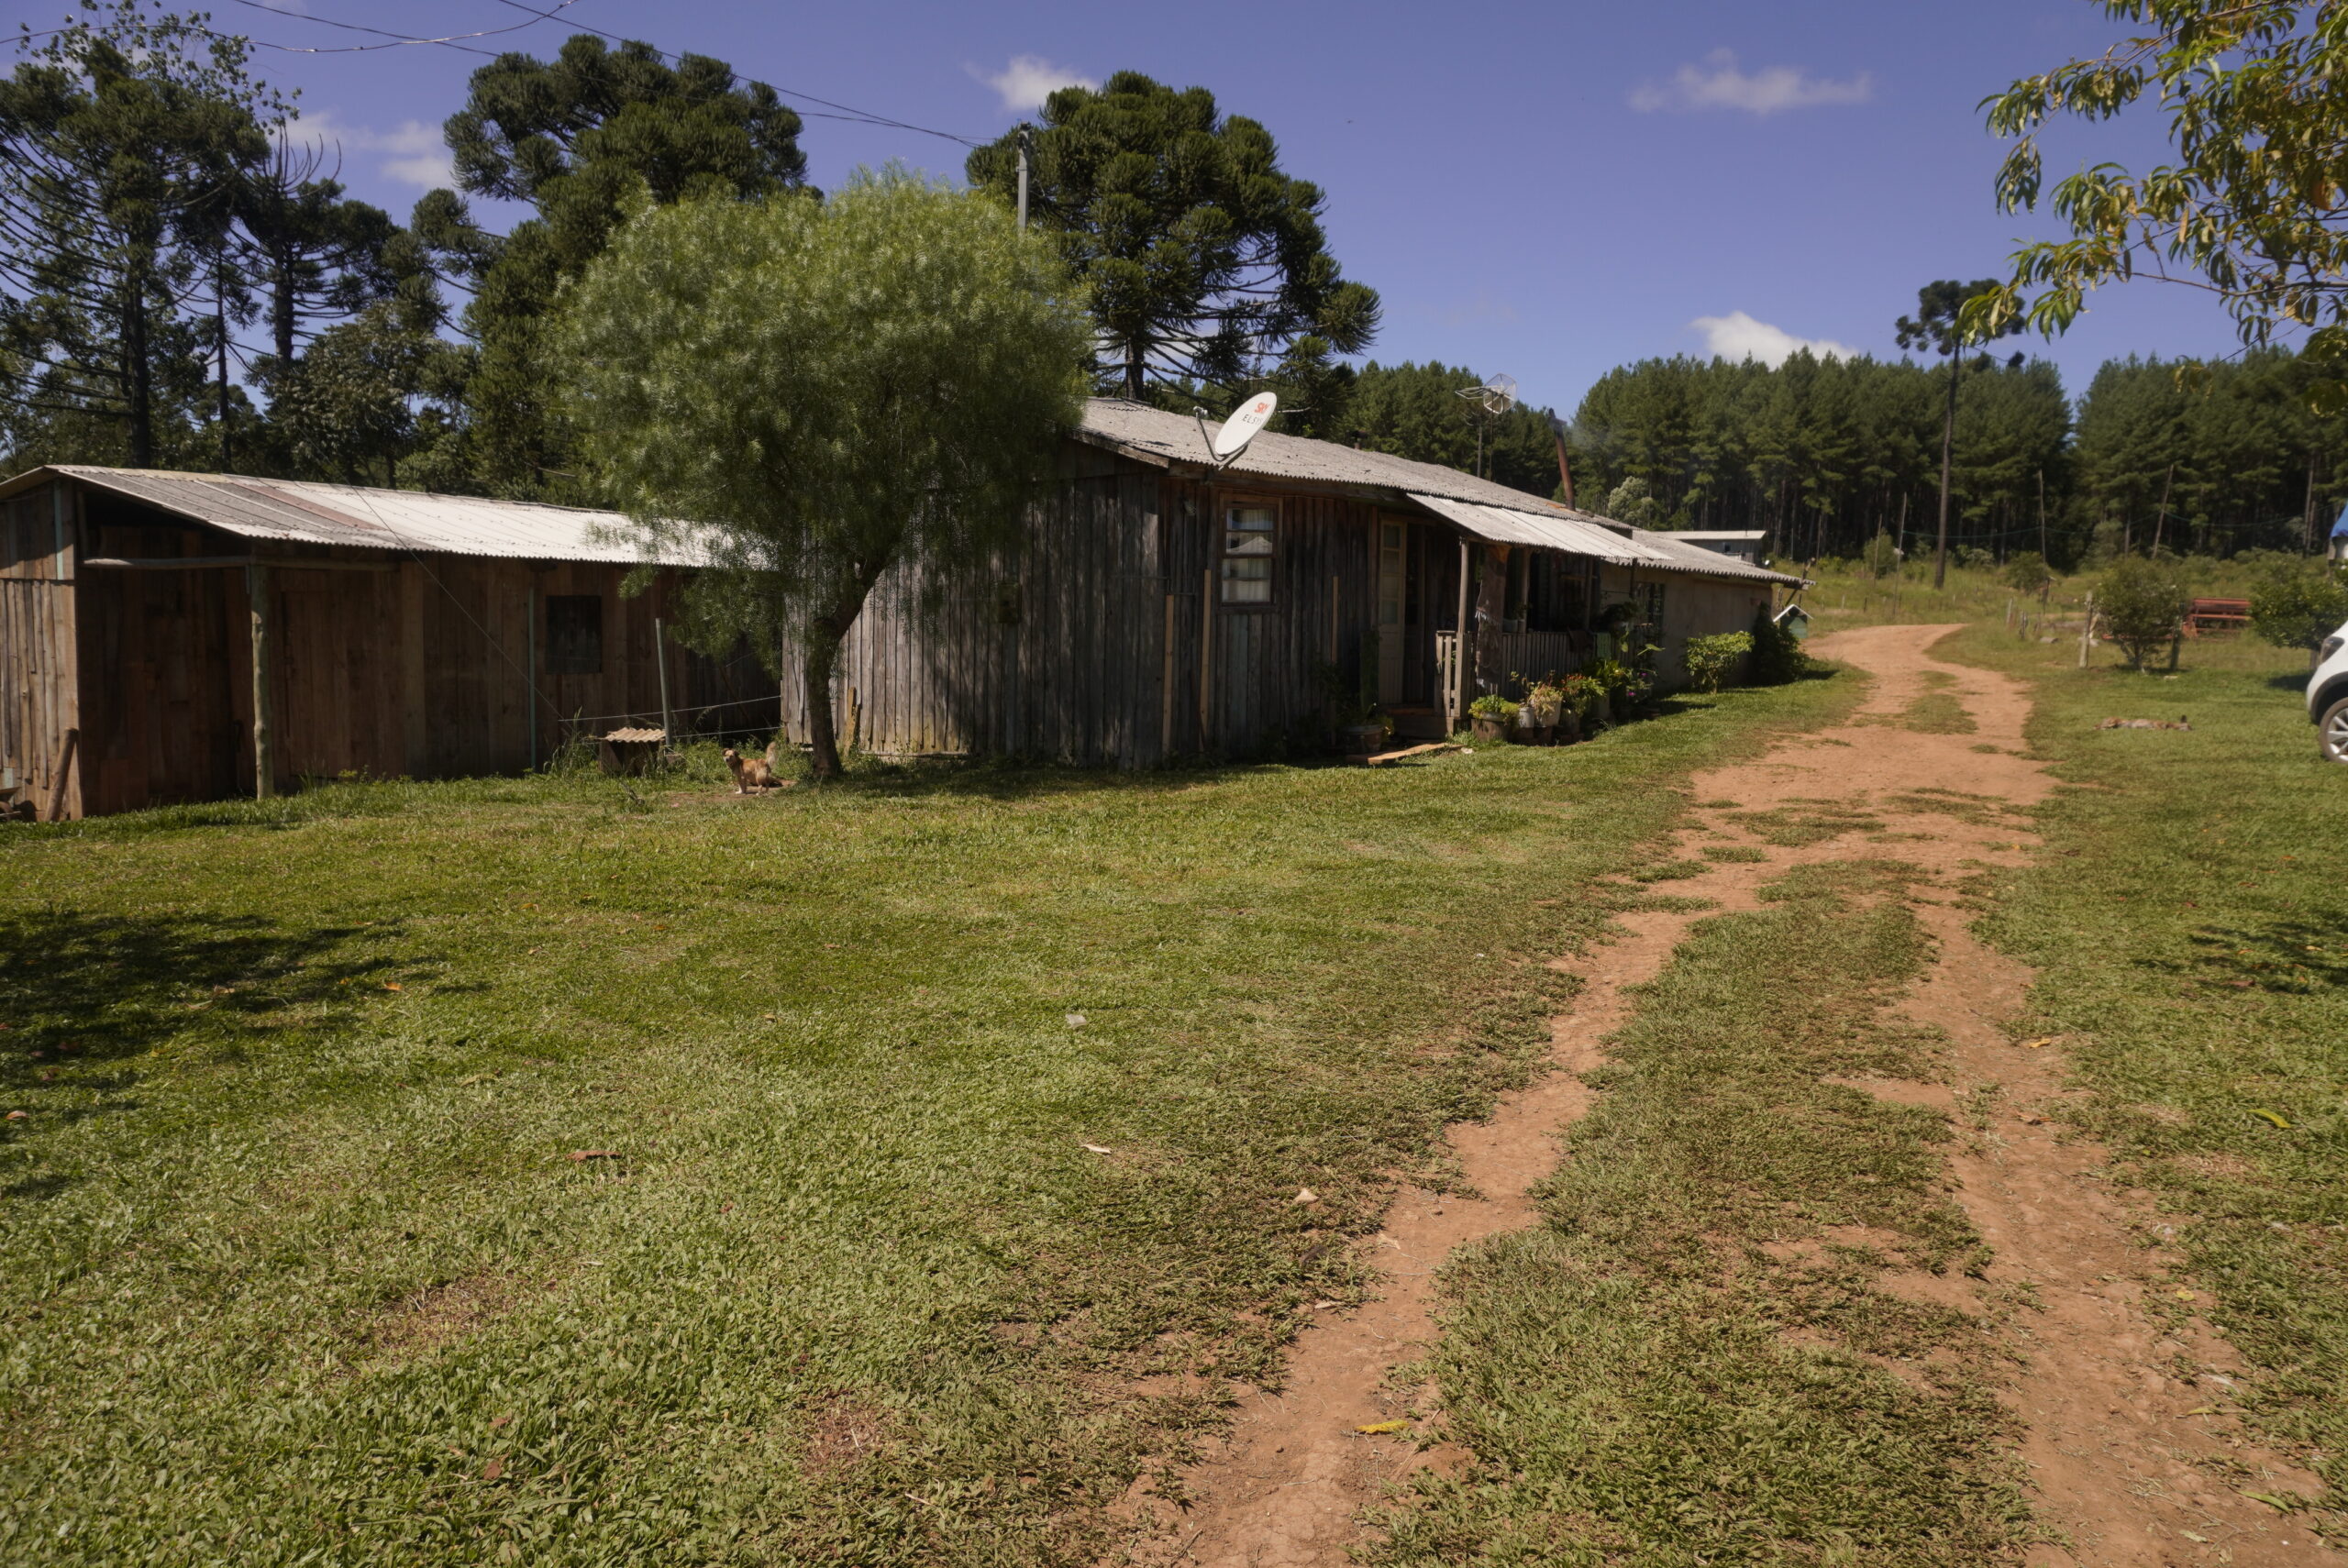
pixel 1249 531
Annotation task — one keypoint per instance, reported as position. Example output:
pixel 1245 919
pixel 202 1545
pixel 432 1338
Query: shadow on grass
pixel 2297 953
pixel 83 990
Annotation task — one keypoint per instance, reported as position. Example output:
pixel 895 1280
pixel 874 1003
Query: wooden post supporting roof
pixel 264 720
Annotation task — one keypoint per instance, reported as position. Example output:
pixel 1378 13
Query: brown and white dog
pixel 752 772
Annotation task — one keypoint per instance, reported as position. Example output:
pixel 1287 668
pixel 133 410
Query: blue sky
pixel 1545 190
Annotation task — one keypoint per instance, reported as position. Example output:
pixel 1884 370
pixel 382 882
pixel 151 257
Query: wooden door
pixel 1393 540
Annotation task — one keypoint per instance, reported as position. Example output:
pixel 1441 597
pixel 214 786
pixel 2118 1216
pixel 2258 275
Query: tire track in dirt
pixel 2129 1465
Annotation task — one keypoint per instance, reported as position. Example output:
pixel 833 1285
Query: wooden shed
pixel 400 634
pixel 1162 606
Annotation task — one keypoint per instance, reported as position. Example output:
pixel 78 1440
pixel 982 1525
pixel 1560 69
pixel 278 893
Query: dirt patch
pixel 844 1432
pixel 425 1321
pixel 2132 1460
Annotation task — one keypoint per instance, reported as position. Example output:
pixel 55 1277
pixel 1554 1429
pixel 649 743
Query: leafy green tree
pixel 1826 454
pixel 1415 411
pixel 824 390
pixel 1939 325
pixel 122 141
pixel 2251 202
pixel 351 408
pixel 2027 573
pixel 1882 557
pixel 2298 607
pixel 1205 262
pixel 1632 503
pixel 574 137
pixel 2141 602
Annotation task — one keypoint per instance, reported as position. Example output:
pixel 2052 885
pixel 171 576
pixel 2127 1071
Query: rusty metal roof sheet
pixel 296 511
pixel 1639 548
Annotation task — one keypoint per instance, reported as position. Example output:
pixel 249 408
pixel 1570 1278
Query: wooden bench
pixel 2205 616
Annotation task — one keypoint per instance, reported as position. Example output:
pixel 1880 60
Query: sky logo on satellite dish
pixel 1239 429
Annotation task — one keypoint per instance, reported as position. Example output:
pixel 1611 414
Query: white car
pixel 2328 696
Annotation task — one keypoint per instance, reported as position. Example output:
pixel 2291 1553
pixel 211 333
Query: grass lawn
pixel 517 1171
pixel 2189 921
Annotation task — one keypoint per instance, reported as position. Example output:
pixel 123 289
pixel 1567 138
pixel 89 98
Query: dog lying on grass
pixel 752 773
pixel 2143 725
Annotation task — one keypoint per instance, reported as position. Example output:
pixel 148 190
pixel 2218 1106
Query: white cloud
pixel 418 155
pixel 1028 80
pixel 421 155
pixel 1719 84
pixel 1736 336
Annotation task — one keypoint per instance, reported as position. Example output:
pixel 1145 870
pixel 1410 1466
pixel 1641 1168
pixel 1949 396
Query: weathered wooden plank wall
pixel 39 685
pixel 158 722
pixel 1094 641
pixel 420 666
pixel 1054 649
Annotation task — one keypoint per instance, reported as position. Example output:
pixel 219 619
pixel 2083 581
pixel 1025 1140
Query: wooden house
pixel 398 634
pixel 1158 606
pixel 1161 606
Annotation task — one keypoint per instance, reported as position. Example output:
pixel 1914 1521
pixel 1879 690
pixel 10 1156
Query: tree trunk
pixel 139 375
pixel 281 313
pixel 1134 361
pixel 220 333
pixel 825 635
pixel 821 654
pixel 1948 448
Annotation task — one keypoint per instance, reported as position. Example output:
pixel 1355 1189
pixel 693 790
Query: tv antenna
pixel 1225 444
pixel 1491 400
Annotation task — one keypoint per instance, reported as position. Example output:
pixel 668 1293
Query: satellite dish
pixel 1495 397
pixel 1231 439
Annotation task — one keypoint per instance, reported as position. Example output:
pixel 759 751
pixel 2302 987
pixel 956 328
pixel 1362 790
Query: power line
pixel 397 40
pixel 847 111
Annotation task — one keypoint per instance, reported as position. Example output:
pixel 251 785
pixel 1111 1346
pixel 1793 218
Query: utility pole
pixel 1948 445
pixel 2042 514
pixel 1022 179
pixel 2160 520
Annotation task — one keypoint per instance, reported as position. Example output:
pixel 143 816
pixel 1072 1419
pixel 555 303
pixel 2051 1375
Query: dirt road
pixel 2121 1438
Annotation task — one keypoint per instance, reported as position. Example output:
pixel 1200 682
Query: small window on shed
pixel 575 633
pixel 1248 535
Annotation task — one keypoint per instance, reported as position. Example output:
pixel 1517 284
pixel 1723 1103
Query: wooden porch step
pixel 1418 723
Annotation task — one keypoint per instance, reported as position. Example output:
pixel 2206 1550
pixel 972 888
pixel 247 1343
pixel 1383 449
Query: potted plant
pixel 1359 729
pixel 1491 716
pixel 1363 734
pixel 1544 710
pixel 1577 694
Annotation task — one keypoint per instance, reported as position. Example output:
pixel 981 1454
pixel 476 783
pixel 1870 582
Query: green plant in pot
pixel 1491 716
pixel 1361 729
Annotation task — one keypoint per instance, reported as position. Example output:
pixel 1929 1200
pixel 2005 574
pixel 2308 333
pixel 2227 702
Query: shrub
pixel 2141 604
pixel 1882 557
pixel 2294 607
pixel 1777 656
pixel 2027 573
pixel 1710 659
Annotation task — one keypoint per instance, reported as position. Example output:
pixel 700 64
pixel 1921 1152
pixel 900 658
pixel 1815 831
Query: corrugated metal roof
pixel 1642 548
pixel 298 512
pixel 1174 437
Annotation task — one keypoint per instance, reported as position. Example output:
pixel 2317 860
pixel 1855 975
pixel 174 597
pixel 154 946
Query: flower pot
pixel 1488 729
pixel 1361 740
